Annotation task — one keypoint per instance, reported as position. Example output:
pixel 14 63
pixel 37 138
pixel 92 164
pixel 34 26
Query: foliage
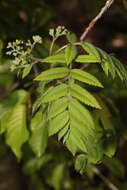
pixel 65 105
pixel 60 106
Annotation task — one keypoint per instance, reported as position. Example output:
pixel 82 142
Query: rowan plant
pixel 66 98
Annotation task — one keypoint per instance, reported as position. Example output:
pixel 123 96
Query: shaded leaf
pixel 115 165
pixel 39 139
pixel 26 71
pixel 71 37
pixel 80 163
pixel 17 133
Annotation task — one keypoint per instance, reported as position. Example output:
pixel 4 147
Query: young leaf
pixel 39 139
pixel 120 70
pixel 17 133
pixel 55 93
pixel 57 107
pixel 109 145
pixel 26 71
pixel 59 58
pixel 51 74
pixel 71 37
pixel 83 76
pixel 84 96
pixel 107 63
pixel 70 53
pixel 90 49
pixel 58 123
pixel 80 163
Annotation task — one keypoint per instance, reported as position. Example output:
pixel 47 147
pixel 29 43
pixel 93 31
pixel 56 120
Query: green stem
pixel 51 47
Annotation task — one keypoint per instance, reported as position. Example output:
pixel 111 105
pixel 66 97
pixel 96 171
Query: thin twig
pixel 105 180
pixel 92 23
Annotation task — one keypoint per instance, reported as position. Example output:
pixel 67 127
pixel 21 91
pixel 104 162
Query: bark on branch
pixel 92 23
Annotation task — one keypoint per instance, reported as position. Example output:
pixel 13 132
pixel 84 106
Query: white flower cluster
pixel 22 52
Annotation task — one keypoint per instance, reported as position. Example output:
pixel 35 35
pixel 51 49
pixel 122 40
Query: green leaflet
pixel 109 145
pixel 84 96
pixel 120 70
pixel 90 49
pixel 105 115
pixel 79 111
pixel 39 139
pixel 86 59
pixel 34 164
pixel 26 71
pixel 57 107
pixel 107 63
pixel 59 58
pixel 96 151
pixel 79 131
pixel 63 132
pixel 93 56
pixel 71 144
pixel 51 74
pixel 54 93
pixel 17 133
pixel 75 142
pixel 36 120
pixel 58 122
pixel 4 118
pixel 57 175
pixel 86 77
pixel 112 65
pixel 39 133
pixel 115 165
pixel 71 37
pixel 81 163
pixel 70 53
pixel 17 97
